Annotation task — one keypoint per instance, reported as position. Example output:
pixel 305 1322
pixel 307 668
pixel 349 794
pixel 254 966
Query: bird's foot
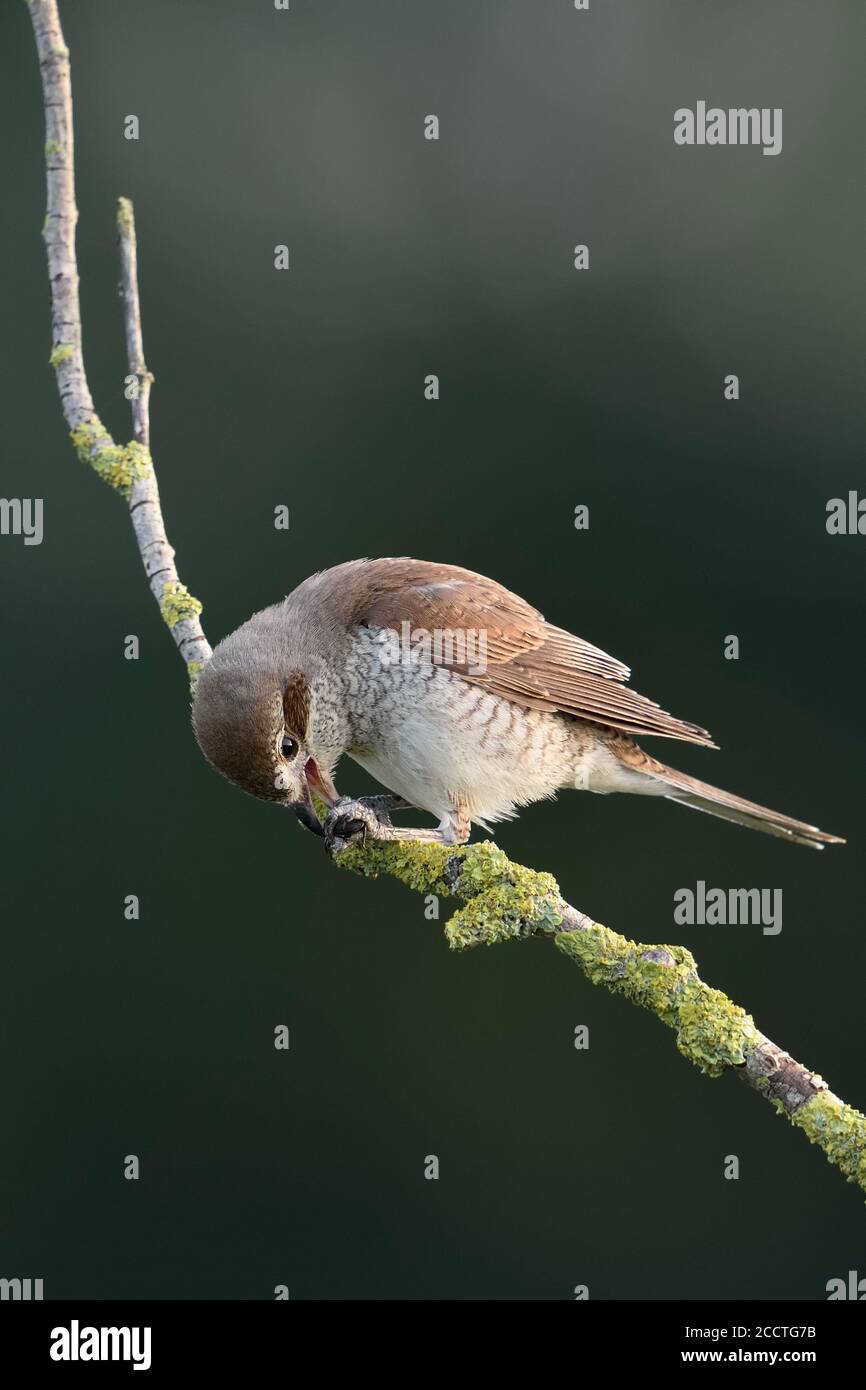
pixel 352 820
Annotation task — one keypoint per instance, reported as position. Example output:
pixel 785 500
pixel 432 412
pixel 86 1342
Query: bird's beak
pixel 305 812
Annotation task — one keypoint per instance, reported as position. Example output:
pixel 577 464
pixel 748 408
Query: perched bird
pixel 453 692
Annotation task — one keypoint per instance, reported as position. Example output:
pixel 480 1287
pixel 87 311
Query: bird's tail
pixel 688 791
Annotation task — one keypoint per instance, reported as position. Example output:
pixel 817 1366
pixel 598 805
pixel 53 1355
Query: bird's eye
pixel 288 748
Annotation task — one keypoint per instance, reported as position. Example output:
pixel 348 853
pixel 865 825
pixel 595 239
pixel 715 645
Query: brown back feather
pixel 528 660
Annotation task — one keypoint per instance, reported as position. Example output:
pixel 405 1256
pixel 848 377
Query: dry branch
pixel 127 468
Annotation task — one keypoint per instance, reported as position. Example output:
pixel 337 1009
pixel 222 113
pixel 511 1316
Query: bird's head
pixel 252 722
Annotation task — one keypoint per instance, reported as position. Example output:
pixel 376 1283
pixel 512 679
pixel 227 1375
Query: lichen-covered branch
pixel 128 468
pixel 503 901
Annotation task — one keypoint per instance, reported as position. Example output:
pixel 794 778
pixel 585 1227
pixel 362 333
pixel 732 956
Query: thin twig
pixel 132 321
pixel 127 468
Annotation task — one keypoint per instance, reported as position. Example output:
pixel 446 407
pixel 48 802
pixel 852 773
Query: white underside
pixel 446 745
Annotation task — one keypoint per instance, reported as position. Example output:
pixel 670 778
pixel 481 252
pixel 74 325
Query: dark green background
pixel 707 518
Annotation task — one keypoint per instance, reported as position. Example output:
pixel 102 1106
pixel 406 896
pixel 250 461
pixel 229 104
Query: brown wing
pixel 527 660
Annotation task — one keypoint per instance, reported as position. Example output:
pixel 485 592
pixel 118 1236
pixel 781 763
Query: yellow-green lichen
pixel 118 466
pixel 52 146
pixel 177 603
pixel 421 867
pixel 839 1130
pixel 193 670
pixel 125 218
pixel 505 900
pixel 712 1031
pixel 61 353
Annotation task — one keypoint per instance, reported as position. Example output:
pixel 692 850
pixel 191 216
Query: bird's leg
pixel 350 821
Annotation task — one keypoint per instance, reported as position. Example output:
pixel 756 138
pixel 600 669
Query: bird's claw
pixel 350 821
